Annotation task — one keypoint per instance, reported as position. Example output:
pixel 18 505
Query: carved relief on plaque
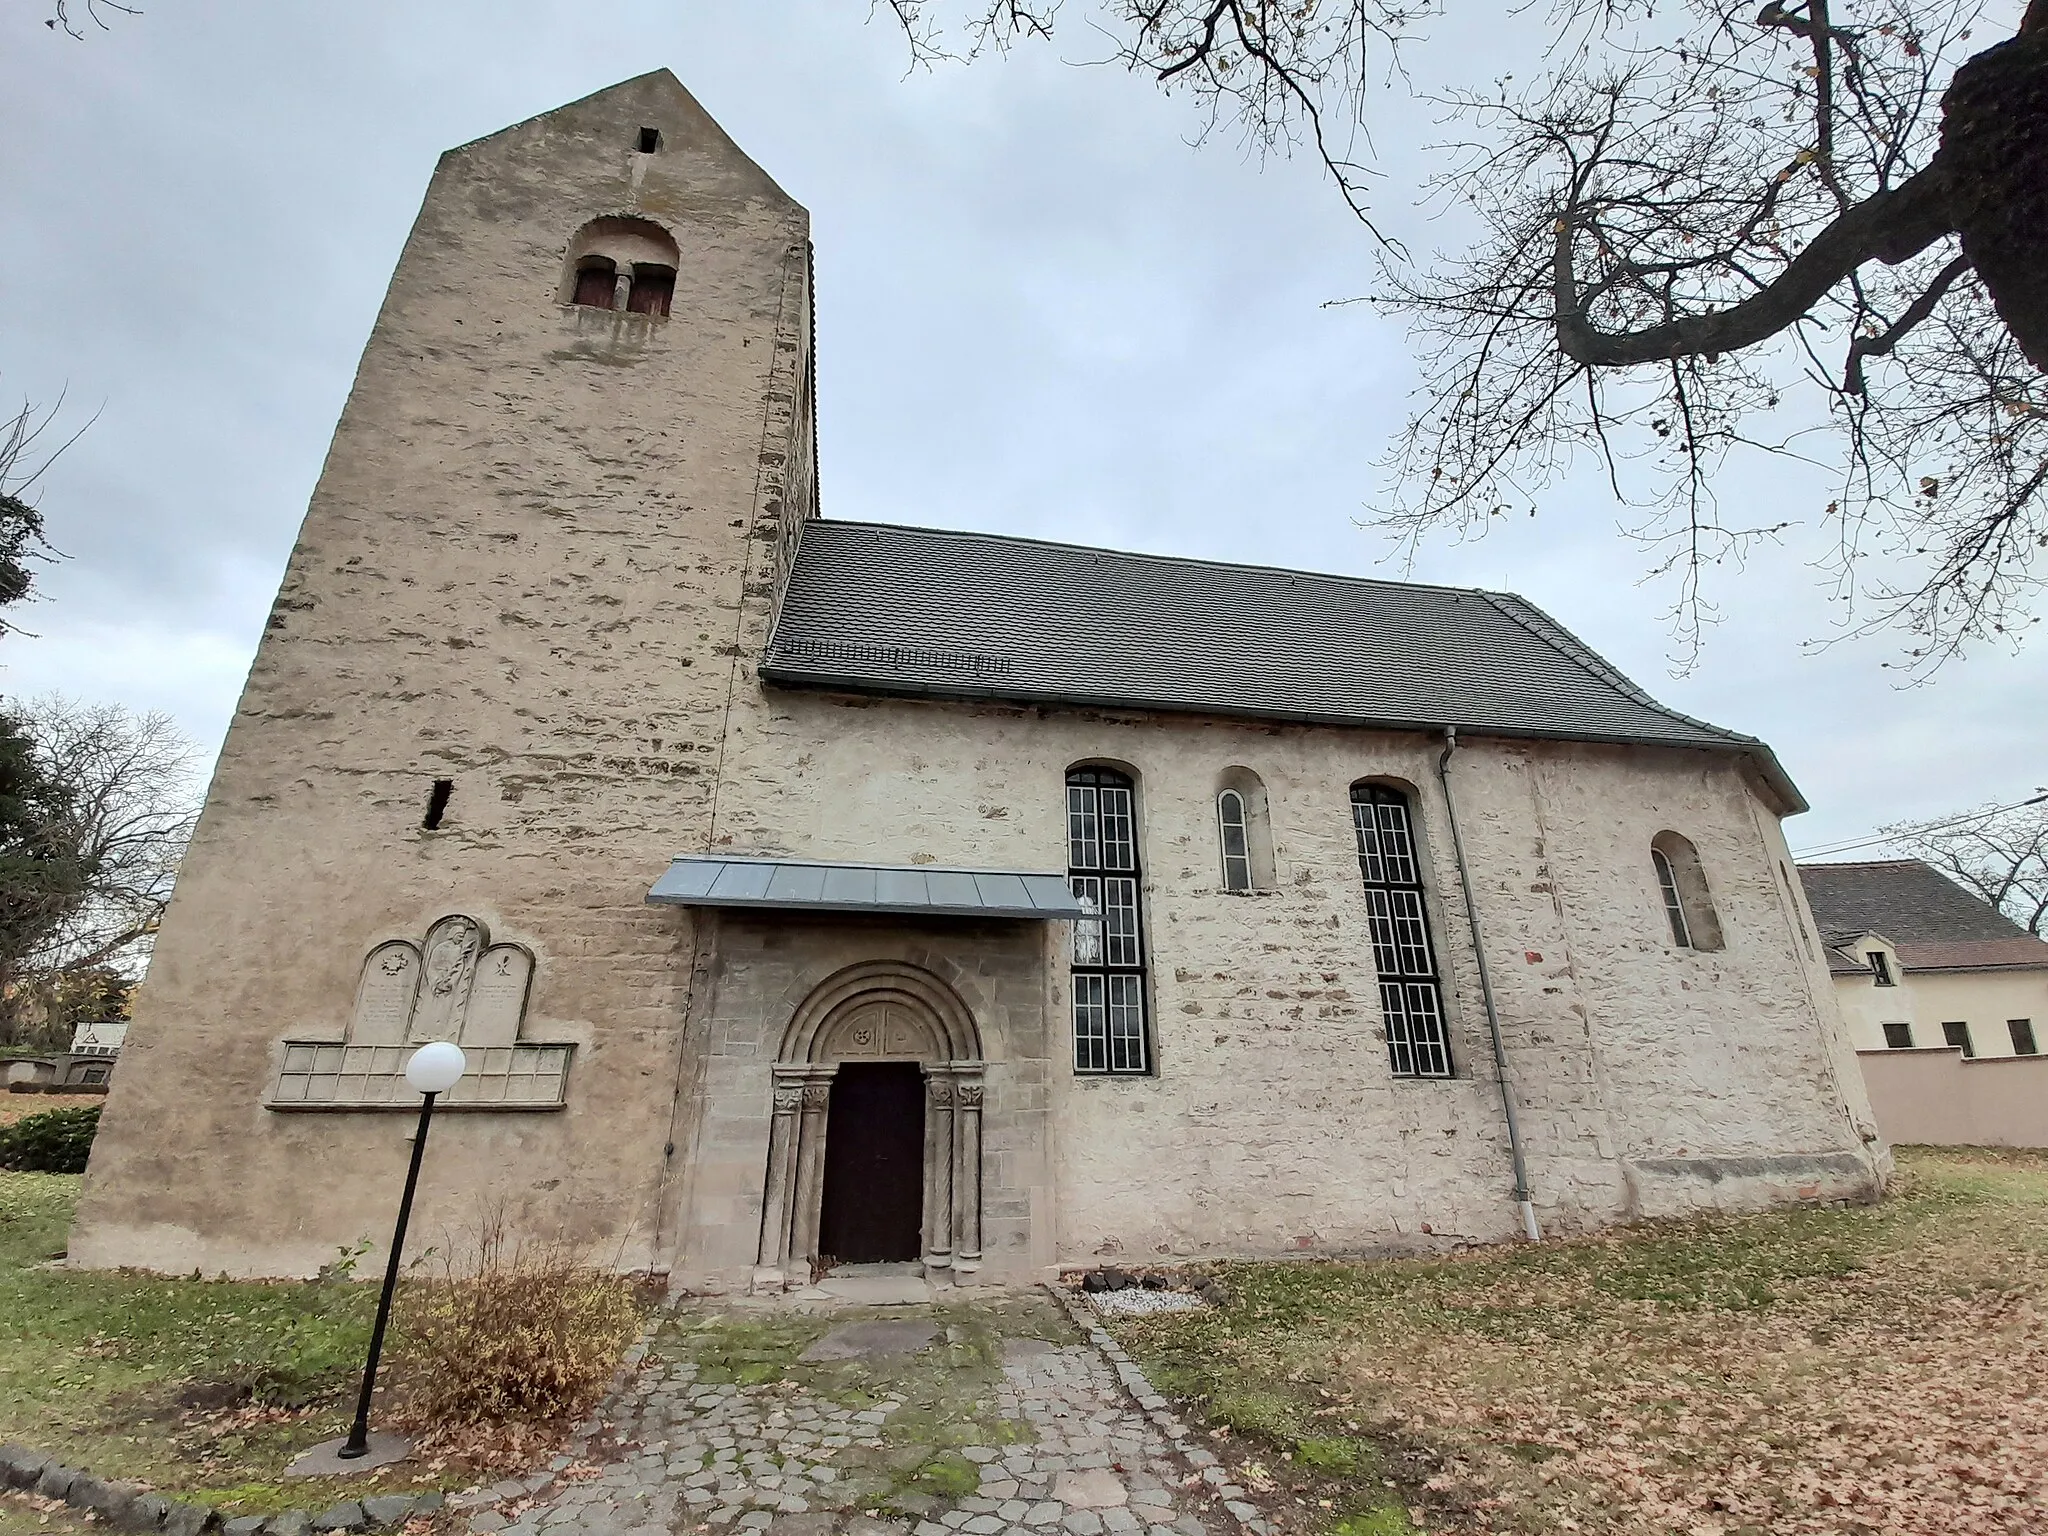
pixel 458 986
pixel 447 965
pixel 384 995
pixel 497 996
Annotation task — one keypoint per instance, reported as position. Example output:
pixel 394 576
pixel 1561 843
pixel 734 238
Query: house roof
pixel 1932 922
pixel 875 607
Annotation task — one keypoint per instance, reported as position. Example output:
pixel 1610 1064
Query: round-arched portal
pixel 880 1066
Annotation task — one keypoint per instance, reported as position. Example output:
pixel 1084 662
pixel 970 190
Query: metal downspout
pixel 1500 1053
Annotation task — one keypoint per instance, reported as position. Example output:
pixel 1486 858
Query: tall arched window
pixel 1234 829
pixel 1682 883
pixel 1109 950
pixel 1411 991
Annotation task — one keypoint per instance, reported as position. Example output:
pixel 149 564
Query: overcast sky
pixel 1042 311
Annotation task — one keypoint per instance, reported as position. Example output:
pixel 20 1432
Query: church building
pixel 806 892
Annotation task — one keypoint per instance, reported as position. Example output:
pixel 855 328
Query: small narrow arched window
pixel 1109 949
pixel 596 282
pixel 653 288
pixel 1235 832
pixel 1682 885
pixel 1397 917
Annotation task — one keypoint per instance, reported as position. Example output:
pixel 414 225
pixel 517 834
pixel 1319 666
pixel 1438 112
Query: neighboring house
pixel 1918 961
pixel 804 889
pixel 88 1067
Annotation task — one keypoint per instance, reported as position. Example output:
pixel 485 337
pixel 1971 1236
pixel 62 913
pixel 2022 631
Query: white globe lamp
pixel 435 1068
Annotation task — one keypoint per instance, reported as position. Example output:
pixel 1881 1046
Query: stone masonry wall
pixel 1648 1078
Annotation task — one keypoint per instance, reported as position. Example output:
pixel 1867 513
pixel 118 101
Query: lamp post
pixel 432 1071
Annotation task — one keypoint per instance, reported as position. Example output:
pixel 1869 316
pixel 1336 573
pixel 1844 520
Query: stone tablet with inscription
pixel 497 996
pixel 384 996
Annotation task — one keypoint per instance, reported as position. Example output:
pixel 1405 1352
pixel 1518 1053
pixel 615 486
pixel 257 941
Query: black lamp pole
pixel 359 1433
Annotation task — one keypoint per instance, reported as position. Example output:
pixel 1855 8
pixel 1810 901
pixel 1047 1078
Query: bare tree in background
pixel 130 797
pixel 2002 856
pixel 1693 208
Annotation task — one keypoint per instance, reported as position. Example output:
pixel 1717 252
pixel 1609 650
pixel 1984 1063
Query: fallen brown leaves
pixel 1877 1373
pixel 1899 1398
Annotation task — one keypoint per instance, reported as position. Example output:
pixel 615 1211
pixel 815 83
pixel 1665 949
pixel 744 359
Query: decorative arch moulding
pixel 456 985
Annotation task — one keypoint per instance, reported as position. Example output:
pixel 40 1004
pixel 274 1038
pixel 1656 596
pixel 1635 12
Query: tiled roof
pixel 1933 923
pixel 879 608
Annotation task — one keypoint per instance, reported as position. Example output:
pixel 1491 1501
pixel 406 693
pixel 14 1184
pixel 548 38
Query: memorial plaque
pixel 447 966
pixel 497 996
pixel 384 996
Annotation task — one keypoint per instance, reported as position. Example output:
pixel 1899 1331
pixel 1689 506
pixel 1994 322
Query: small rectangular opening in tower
pixel 650 140
pixel 437 803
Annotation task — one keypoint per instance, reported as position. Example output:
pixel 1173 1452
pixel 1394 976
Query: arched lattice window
pixel 1109 950
pixel 1234 829
pixel 1683 885
pixel 1411 990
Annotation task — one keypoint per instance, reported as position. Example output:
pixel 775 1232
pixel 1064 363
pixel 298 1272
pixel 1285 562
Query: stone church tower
pixel 536 565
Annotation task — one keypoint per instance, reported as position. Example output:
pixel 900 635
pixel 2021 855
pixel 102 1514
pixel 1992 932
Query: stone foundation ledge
pixel 132 1507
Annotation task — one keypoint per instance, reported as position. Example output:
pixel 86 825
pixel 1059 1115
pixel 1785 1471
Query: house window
pixel 1881 968
pixel 1411 992
pixel 2022 1032
pixel 653 288
pixel 1682 883
pixel 1109 949
pixel 1898 1037
pixel 1957 1034
pixel 596 282
pixel 1237 843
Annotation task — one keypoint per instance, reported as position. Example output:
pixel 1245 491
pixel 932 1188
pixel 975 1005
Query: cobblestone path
pixel 981 1435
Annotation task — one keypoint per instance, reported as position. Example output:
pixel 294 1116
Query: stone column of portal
pixel 966 1171
pixel 938 1169
pixel 809 1197
pixel 775 1196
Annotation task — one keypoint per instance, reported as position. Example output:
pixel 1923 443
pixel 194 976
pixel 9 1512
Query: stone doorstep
pixel 1152 1405
pixel 132 1507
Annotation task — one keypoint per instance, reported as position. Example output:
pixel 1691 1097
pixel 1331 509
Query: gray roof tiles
pixel 1933 923
pixel 881 608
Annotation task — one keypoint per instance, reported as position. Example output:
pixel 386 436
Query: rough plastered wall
pixel 1649 1079
pixel 763 969
pixel 1985 1000
pixel 520 571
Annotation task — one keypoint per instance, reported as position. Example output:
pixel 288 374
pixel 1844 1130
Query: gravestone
pixel 497 996
pixel 384 997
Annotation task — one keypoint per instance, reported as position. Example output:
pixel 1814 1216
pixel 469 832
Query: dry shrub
pixel 528 1335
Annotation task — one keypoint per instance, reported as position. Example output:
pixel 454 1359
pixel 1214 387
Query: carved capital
pixel 788 1100
pixel 817 1096
pixel 941 1093
pixel 970 1095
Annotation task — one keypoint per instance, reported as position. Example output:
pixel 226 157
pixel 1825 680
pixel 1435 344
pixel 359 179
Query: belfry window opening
pixel 1109 949
pixel 596 282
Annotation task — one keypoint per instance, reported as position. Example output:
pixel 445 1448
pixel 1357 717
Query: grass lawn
pixel 201 1388
pixel 1816 1371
